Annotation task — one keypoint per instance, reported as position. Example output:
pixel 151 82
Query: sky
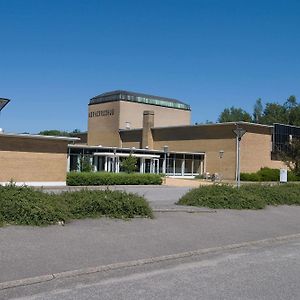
pixel 55 55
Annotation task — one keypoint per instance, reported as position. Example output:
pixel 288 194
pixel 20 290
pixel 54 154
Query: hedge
pixel 103 178
pixel 267 174
pixel 246 197
pixel 26 206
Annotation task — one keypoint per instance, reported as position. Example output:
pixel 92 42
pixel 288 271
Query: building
pixel 33 159
pixel 113 111
pixel 158 131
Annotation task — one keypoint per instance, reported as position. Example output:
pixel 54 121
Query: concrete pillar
pixel 106 165
pixel 142 165
pixel 68 164
pixel 193 166
pixel 182 167
pixel 117 165
pixel 78 162
pixel 95 164
pixel 148 123
pixel 164 166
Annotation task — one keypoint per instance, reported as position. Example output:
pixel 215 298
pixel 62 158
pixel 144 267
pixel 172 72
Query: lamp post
pixel 3 103
pixel 239 132
pixel 221 153
pixel 115 160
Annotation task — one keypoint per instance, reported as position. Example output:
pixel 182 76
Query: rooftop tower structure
pixel 117 110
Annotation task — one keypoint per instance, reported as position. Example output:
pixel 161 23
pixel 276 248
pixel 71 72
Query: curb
pixel 139 262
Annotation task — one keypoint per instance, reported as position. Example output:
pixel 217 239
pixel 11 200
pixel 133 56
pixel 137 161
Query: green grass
pixel 26 206
pixel 247 197
pixel 104 178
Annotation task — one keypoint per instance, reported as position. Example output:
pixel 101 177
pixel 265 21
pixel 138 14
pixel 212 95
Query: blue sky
pixel 56 55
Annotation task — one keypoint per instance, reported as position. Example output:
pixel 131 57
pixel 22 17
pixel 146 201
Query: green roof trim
pixel 120 95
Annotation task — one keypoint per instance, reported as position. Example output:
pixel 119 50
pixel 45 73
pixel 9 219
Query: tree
pixel 233 114
pixel 288 113
pixel 290 103
pixel 76 130
pixel 85 164
pixel 292 109
pixel 129 164
pixel 54 132
pixel 274 113
pixel 291 156
pixel 258 111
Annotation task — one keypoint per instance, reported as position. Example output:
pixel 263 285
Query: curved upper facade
pixel 121 95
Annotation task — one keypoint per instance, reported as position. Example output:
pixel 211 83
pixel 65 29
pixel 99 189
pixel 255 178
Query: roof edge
pixel 39 136
pixel 206 125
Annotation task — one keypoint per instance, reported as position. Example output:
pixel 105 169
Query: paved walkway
pixel 184 182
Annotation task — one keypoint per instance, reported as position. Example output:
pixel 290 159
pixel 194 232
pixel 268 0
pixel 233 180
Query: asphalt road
pixel 35 251
pixel 262 272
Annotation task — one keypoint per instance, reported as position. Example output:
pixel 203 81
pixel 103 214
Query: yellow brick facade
pixel 25 159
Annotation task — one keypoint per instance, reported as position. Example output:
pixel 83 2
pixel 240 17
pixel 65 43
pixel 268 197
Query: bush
pixel 221 196
pixel 247 197
pixel 116 204
pixel 25 206
pixel 250 177
pixel 103 178
pixel 267 174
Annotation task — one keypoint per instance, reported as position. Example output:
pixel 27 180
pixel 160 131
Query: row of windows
pixel 144 100
pixel 282 136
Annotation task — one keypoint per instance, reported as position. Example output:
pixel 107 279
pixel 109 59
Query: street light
pixel 3 102
pixel 239 132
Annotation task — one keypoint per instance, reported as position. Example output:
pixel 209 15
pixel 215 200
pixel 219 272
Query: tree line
pixel 55 132
pixel 271 112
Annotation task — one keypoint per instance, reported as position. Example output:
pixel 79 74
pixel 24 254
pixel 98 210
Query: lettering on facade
pixel 102 113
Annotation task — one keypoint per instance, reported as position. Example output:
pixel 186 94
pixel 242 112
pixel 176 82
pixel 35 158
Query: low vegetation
pixel 267 174
pixel 247 197
pixel 26 206
pixel 104 178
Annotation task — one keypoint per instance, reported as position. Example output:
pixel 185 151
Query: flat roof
pixel 39 136
pixel 131 149
pixel 122 95
pixel 205 125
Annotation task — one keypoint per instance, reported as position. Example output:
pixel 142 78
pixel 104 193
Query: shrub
pixel 250 177
pixel 267 174
pixel 23 205
pixel 115 204
pixel 103 178
pixel 221 196
pixel 247 197
pixel 26 206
